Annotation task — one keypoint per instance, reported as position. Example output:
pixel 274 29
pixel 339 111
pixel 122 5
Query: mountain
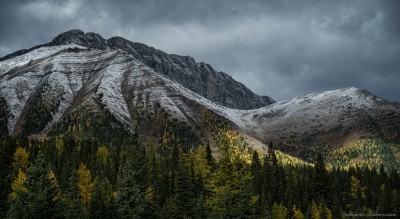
pixel 200 78
pixel 336 118
pixel 81 78
pixel 45 90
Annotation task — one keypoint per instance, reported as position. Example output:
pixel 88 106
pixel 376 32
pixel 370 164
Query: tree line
pixel 69 177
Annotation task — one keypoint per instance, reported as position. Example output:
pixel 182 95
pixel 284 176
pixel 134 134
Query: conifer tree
pixel 320 178
pixel 385 203
pixel 130 202
pixel 85 185
pixel 267 180
pixel 183 199
pixel 296 213
pixel 229 187
pixel 279 211
pixel 101 204
pixel 41 196
pixel 256 174
pixel 256 181
pixel 70 201
pixel 7 148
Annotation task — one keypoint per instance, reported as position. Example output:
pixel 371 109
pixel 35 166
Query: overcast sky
pixel 278 48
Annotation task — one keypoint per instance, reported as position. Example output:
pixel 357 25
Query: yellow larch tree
pixel 85 185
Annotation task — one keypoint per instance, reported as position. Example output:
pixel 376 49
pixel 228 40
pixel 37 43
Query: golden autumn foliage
pixel 54 186
pixel 59 146
pixel 85 185
pixel 296 213
pixel 102 155
pixel 18 184
pixel 200 162
pixel 20 159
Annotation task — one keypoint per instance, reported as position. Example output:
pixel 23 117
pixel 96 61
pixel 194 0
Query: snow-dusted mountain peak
pixel 201 78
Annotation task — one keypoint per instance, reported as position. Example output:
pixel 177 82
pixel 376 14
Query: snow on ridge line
pixel 244 118
pixel 35 54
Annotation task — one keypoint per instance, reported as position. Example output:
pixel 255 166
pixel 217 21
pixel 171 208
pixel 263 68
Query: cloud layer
pixel 278 48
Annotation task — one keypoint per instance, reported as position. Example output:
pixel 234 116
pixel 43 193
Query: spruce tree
pixel 229 187
pixel 279 211
pixel 256 174
pixel 183 199
pixel 385 203
pixel 130 202
pixel 40 198
pixel 320 178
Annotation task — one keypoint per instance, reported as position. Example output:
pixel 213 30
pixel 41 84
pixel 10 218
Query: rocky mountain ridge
pixel 201 78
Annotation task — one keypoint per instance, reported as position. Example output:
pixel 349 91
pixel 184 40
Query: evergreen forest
pixel 75 172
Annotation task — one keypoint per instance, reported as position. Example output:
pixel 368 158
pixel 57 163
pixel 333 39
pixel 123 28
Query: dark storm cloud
pixel 278 48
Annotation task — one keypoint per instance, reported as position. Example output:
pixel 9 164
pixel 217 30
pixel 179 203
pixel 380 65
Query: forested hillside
pixel 75 173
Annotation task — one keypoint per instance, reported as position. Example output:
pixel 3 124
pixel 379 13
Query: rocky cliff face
pixel 200 78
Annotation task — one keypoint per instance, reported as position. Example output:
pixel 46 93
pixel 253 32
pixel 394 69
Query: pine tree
pixel 256 174
pixel 384 206
pixel 279 211
pixel 70 201
pixel 101 199
pixel 130 202
pixel 209 157
pixel 296 213
pixel 102 156
pixel 7 148
pixel 41 196
pixel 320 178
pixel 315 211
pixel 229 187
pixel 256 181
pixel 267 181
pixel 358 195
pixel 137 154
pixel 183 199
pixel 276 175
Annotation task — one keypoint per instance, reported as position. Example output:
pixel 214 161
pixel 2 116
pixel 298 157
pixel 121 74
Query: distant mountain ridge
pixel 201 78
pixel 338 117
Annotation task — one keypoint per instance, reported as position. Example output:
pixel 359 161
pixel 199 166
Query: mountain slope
pixel 52 85
pixel 336 118
pixel 198 77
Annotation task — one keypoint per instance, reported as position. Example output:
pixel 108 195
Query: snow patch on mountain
pixel 36 54
pixel 16 92
pixel 110 87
